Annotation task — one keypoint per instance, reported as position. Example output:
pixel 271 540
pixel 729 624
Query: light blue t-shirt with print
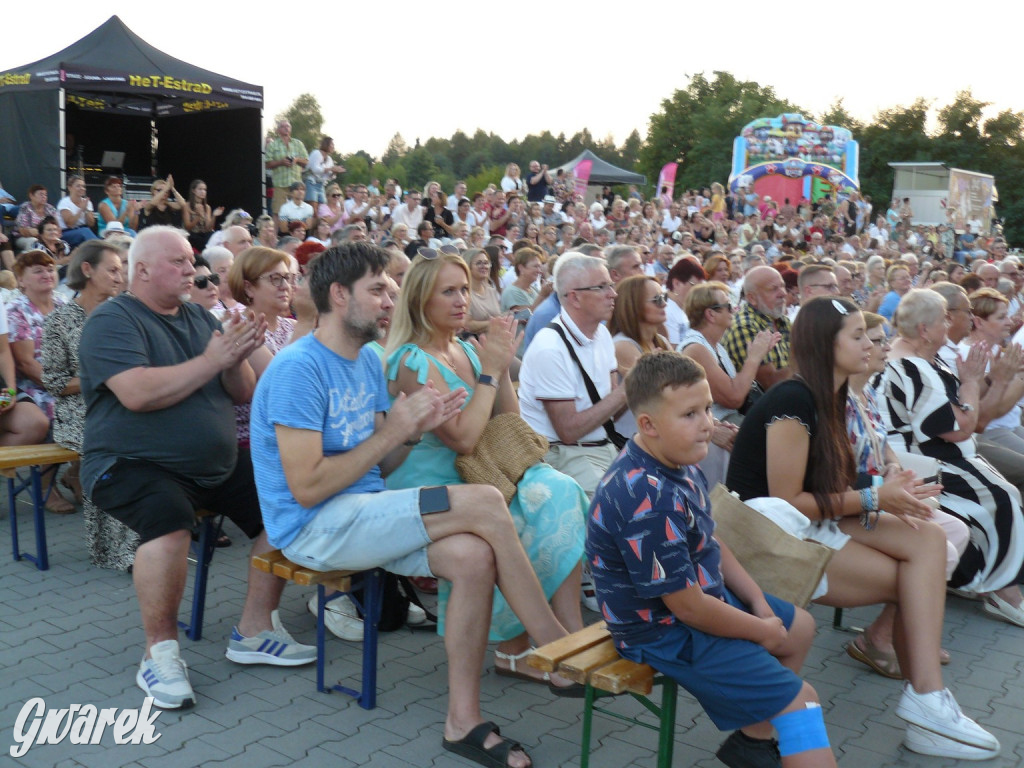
pixel 308 386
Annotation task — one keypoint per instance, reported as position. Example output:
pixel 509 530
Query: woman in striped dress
pixel 929 410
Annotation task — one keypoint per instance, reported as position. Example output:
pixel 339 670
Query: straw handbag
pixel 505 450
pixel 779 562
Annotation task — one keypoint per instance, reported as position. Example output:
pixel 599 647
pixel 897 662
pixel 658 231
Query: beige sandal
pixel 512 671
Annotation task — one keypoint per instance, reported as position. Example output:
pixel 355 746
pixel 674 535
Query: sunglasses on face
pixel 660 300
pixel 205 280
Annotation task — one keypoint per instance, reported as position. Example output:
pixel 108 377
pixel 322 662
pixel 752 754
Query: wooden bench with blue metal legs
pixel 15 457
pixel 589 657
pixel 328 584
pixel 201 553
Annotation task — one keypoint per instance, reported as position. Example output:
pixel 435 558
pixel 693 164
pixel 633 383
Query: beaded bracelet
pixel 869 504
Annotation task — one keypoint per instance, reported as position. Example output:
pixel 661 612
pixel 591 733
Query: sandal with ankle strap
pixel 512 670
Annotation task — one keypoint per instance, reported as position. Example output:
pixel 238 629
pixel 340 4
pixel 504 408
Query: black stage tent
pixel 113 92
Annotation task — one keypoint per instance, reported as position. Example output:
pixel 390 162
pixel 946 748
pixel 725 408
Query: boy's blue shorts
pixel 737 682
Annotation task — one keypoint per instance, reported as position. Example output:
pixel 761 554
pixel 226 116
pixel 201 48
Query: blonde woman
pixel 424 349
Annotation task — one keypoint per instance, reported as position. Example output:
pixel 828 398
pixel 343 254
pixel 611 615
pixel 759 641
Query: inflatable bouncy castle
pixel 790 157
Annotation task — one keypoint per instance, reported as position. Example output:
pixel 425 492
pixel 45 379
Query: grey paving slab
pixel 72 635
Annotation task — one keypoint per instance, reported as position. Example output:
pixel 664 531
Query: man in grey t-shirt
pixel 159 376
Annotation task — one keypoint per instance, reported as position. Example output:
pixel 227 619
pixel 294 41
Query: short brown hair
pixel 32 259
pixel 652 373
pixel 249 265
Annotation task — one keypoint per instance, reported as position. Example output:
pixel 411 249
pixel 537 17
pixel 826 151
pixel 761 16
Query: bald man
pixel 163 370
pixel 765 308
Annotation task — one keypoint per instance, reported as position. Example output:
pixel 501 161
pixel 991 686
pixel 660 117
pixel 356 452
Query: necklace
pixel 446 358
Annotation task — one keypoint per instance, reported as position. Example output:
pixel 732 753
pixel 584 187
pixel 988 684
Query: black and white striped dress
pixel 919 398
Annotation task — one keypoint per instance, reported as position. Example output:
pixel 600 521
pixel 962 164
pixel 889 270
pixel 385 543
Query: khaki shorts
pixel 585 465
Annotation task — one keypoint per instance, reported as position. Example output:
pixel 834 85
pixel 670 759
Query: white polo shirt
pixel 549 373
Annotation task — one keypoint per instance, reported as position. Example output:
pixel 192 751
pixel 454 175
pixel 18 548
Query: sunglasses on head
pixel 430 254
pixel 202 282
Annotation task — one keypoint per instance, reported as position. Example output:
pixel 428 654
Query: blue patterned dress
pixel 549 508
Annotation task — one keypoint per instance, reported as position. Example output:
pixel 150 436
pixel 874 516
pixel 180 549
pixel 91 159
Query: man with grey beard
pixel 765 308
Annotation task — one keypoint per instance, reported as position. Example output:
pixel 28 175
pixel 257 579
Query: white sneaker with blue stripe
pixel 271 646
pixel 164 676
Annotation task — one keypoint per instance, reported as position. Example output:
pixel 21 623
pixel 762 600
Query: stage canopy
pixel 112 92
pixel 603 172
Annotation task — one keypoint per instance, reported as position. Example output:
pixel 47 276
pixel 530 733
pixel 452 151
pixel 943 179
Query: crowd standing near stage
pixel 244 361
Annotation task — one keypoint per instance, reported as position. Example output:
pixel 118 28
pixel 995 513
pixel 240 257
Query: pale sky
pixel 555 66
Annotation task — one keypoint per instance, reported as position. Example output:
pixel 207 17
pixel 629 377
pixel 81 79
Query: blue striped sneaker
pixel 164 676
pixel 271 646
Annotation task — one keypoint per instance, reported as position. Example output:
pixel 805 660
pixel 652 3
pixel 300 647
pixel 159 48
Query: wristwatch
pixel 488 380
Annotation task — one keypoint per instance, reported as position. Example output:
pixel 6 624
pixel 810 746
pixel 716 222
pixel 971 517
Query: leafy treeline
pixel 696 126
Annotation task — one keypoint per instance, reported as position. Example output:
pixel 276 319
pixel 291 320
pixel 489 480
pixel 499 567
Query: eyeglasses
pixel 728 307
pixel 481 264
pixel 830 287
pixel 205 280
pixel 660 300
pixel 430 254
pixel 602 288
pixel 882 342
pixel 277 280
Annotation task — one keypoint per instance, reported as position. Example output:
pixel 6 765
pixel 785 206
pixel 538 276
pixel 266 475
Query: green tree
pixel 696 126
pixel 837 115
pixel 630 151
pixel 306 119
pixel 420 167
pixel 397 148
pixel 895 135
pixel 357 170
pixel 478 182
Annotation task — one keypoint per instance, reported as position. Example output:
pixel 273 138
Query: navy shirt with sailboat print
pixel 649 534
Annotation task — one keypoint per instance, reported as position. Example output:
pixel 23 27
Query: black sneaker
pixel 741 751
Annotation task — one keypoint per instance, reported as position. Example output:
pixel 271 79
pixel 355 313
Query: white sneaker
pixel 341 618
pixel 164 676
pixel 415 616
pixel 938 713
pixel 924 742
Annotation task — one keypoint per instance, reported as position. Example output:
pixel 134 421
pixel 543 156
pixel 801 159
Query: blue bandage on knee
pixel 801 731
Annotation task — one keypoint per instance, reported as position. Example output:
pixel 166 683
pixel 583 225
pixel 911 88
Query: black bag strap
pixel 410 592
pixel 609 426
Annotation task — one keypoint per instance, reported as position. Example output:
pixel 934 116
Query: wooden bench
pixel 589 657
pixel 15 457
pixel 329 583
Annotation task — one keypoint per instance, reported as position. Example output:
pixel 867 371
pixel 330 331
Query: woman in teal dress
pixel 549 508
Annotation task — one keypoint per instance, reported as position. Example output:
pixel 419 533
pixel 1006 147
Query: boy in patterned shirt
pixel 677 599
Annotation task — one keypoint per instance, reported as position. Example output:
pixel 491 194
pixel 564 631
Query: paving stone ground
pixel 71 635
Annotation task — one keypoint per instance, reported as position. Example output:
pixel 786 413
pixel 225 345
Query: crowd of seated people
pixel 527 281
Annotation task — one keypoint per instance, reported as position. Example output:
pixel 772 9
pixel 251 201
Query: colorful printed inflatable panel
pixel 792 157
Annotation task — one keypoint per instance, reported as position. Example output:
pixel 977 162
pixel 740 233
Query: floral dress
pixel 25 321
pixel 275 340
pixel 548 510
pixel 111 543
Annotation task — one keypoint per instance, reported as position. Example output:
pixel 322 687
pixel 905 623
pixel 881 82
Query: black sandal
pixel 471 747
